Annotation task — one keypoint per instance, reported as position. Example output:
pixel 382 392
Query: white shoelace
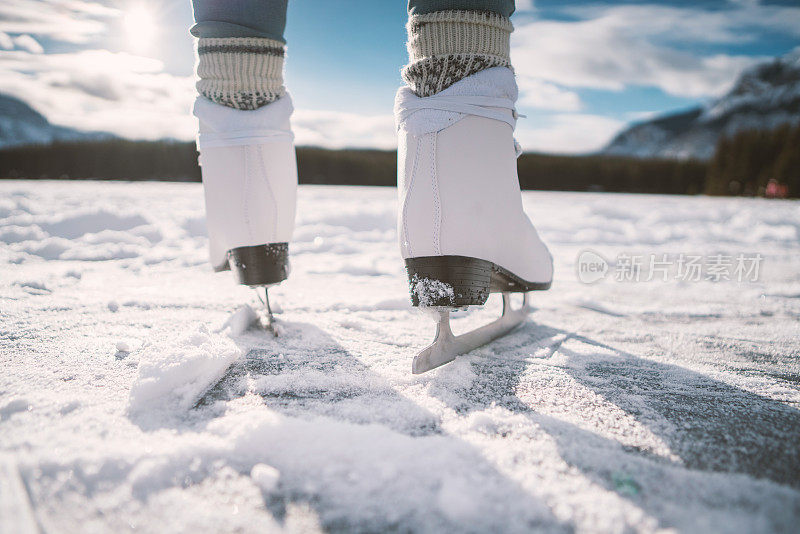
pixel 469 105
pixel 481 106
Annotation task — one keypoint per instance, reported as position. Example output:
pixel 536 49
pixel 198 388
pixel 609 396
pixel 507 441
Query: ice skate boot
pixel 463 233
pixel 249 174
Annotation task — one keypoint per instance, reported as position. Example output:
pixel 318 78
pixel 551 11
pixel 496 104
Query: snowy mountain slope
pixel 764 97
pixel 133 397
pixel 22 125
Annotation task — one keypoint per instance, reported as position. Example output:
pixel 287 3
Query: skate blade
pixel 447 346
pixel 269 326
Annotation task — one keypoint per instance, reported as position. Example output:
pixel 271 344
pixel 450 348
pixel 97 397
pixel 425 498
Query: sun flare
pixel 140 27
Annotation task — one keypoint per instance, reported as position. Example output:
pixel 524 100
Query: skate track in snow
pixel 134 397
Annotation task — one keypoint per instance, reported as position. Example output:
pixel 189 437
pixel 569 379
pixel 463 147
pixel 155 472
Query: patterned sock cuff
pixel 447 46
pixel 240 72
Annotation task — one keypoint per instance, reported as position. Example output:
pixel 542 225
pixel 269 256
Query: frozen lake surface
pixel 134 398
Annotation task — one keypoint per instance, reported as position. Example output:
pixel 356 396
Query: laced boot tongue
pixel 491 94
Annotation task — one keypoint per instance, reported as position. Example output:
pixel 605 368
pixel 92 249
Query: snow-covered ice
pixel 136 395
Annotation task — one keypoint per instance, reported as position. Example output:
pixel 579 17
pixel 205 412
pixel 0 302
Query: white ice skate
pixel 463 232
pixel 250 182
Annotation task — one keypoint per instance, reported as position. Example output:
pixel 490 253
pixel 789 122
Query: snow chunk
pixel 48 249
pixel 14 406
pixel 176 375
pixel 32 284
pixel 239 321
pixel 457 500
pixel 16 514
pixel 429 291
pixel 123 346
pixel 73 225
pixel 265 476
pixel 17 234
pixel 69 407
pixel 482 422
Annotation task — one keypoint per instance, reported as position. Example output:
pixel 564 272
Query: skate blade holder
pixel 268 323
pixel 446 346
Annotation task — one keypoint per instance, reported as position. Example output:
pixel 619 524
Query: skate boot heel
pixel 453 281
pixel 260 265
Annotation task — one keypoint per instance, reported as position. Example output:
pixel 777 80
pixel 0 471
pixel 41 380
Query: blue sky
pixel 585 69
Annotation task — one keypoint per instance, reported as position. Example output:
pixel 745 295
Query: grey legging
pixel 267 18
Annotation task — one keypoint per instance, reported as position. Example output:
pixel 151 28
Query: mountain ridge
pixel 765 96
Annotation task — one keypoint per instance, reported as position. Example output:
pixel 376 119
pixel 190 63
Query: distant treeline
pixel 770 156
pixel 757 163
pixel 176 161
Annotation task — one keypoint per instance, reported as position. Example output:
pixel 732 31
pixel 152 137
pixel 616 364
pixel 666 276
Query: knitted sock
pixel 240 72
pixel 446 46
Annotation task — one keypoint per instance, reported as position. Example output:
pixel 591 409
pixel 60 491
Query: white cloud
pixel 741 22
pixel 537 93
pixel 72 21
pixel 596 55
pixel 567 133
pixel 335 129
pixel 26 42
pixel 524 5
pixel 615 47
pixel 6 43
pixel 99 90
pixel 641 116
